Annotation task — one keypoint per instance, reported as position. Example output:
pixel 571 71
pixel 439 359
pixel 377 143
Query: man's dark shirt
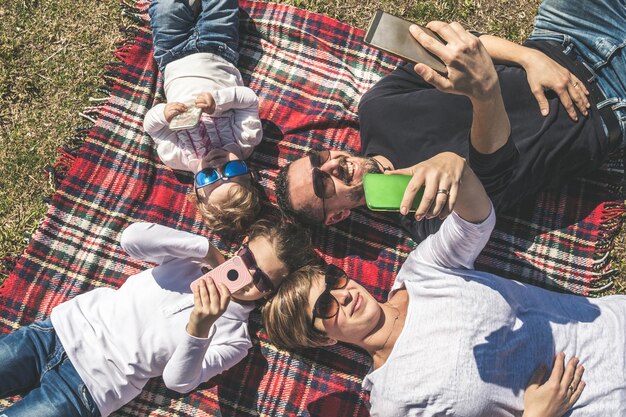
pixel 408 121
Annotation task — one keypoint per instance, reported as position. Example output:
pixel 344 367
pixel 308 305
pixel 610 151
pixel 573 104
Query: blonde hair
pixel 234 215
pixel 285 315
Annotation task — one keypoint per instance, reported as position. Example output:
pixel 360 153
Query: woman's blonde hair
pixel 234 215
pixel 285 315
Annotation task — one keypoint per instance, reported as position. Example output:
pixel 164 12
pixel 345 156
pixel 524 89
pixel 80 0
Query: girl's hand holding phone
pixel 210 302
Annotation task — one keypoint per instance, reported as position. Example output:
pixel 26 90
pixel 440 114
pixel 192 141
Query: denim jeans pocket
pixel 44 326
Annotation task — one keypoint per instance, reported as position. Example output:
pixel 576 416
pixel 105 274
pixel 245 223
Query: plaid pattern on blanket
pixel 309 71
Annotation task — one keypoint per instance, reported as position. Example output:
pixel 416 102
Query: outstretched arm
pixel 159 244
pixel 470 73
pixel 543 73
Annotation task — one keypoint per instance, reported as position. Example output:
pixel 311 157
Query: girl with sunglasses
pixel 454 341
pixel 196 49
pixel 98 350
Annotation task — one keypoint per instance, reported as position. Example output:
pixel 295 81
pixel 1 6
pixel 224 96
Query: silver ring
pixel 442 191
pixel 571 389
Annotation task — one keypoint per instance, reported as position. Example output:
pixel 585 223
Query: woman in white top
pixel 99 349
pixel 454 341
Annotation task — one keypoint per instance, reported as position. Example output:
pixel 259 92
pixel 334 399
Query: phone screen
pixel 391 34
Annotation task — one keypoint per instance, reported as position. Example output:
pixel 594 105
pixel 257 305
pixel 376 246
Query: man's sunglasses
pixel 230 170
pixel 261 281
pixel 327 305
pixel 323 184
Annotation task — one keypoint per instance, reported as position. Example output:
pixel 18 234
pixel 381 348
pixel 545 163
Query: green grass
pixel 53 54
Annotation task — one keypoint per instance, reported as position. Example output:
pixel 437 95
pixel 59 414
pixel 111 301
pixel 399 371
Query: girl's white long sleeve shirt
pixel 117 339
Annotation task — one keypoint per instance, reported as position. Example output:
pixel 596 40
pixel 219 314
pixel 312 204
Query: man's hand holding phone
pixel 470 69
pixel 210 301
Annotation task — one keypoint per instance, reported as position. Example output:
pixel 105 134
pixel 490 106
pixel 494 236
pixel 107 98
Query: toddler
pixel 196 51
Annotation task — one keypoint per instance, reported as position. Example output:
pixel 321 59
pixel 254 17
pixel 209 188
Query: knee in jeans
pixel 164 8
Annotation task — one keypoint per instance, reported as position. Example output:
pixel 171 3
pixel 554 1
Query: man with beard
pixel 521 140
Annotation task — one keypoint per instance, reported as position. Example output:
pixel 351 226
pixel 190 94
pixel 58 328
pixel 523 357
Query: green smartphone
pixel 385 192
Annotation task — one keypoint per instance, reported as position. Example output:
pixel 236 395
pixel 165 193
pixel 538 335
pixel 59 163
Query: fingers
pixel 572 380
pixel 434 193
pixel 432 77
pixel 429 42
pixel 436 182
pixel 411 192
pixel 173 109
pixel 573 94
pixel 570 369
pixel 225 296
pixel 578 93
pixel 566 100
pixel 558 368
pixel 178 107
pixel 578 386
pixel 540 96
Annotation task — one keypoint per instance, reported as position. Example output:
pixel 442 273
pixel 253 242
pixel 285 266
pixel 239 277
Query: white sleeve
pixel 159 244
pixel 168 146
pixel 245 104
pixel 457 244
pixel 196 360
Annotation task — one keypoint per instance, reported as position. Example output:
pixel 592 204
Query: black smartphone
pixel 391 34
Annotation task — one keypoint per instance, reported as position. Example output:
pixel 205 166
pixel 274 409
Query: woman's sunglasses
pixel 323 184
pixel 261 281
pixel 230 170
pixel 327 305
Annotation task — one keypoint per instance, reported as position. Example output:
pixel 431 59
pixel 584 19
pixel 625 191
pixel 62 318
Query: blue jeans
pixel 594 32
pixel 177 32
pixel 34 364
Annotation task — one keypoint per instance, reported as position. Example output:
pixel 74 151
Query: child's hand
pixel 174 109
pixel 209 304
pixel 558 394
pixel 206 102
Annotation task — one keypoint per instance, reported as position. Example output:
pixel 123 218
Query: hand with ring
pixel 554 397
pixel 440 176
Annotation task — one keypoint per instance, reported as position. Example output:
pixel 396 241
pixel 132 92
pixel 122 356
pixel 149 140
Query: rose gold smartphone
pixel 233 274
pixel 391 34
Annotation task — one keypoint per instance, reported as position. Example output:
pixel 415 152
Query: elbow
pixel 180 388
pixel 132 235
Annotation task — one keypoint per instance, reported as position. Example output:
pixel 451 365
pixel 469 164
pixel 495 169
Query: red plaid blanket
pixel 309 71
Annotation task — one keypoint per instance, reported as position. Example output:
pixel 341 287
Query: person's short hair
pixel 291 242
pixel 285 315
pixel 234 215
pixel 307 214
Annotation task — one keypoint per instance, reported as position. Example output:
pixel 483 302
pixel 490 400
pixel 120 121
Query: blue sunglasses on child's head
pixel 230 170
